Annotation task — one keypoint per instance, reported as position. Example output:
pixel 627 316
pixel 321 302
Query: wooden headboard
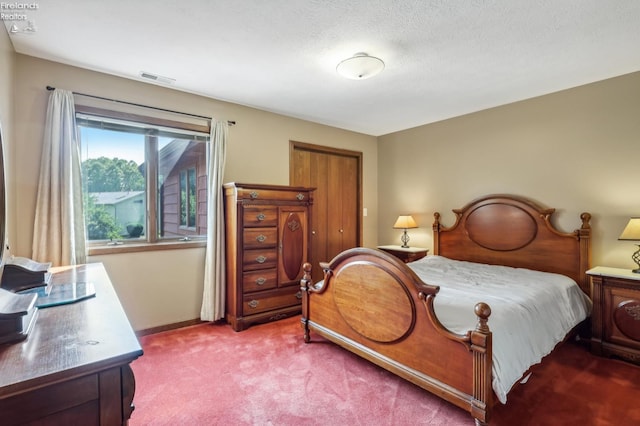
pixel 514 231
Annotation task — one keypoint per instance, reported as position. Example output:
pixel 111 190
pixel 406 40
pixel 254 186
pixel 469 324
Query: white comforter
pixel 531 311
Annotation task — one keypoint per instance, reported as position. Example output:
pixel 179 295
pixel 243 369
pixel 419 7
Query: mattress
pixel 531 311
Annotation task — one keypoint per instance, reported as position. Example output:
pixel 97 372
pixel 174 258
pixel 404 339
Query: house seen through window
pixel 141 181
pixel 188 197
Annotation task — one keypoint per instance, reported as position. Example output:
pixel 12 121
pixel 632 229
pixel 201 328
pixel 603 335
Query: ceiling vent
pixel 157 78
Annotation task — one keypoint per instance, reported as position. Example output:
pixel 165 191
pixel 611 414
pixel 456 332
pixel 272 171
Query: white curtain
pixel 213 298
pixel 59 232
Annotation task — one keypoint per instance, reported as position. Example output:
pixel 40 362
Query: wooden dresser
pixel 73 368
pixel 615 320
pixel 267 242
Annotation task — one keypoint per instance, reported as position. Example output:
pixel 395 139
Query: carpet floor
pixel 210 375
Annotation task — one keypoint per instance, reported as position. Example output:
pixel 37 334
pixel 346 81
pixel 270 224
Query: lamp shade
pixel 405 222
pixel 632 230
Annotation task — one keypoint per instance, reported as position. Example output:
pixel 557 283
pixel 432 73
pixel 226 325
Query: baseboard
pixel 167 327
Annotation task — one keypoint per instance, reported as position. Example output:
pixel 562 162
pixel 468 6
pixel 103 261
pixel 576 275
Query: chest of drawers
pixel 267 242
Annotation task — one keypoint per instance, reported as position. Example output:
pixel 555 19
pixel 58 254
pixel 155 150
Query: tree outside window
pixel 142 182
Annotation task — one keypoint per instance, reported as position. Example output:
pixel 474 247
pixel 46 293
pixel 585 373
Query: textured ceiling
pixel 443 58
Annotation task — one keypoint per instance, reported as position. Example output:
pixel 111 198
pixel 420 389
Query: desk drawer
pixel 41 403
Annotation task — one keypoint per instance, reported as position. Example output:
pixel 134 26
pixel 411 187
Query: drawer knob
pixel 261 259
pixel 299 295
pixel 253 304
pixel 253 194
pixel 261 217
pixel 300 196
pixel 261 238
pixel 261 281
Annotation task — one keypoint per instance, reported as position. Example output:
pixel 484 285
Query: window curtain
pixel 59 232
pixel 213 298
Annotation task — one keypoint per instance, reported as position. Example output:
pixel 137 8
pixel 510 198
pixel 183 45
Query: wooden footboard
pixel 373 305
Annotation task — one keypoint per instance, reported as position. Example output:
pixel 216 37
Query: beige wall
pixel 165 287
pixel 7 65
pixel 575 150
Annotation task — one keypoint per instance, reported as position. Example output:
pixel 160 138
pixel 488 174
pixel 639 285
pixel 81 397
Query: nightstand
pixel 615 319
pixel 406 254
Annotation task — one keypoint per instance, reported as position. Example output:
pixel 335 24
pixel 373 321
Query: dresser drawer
pixel 259 216
pixel 262 279
pixel 259 259
pixel 259 237
pixel 272 195
pixel 267 301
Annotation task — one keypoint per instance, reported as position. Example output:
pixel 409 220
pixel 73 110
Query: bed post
pixel 305 282
pixel 436 233
pixel 584 234
pixel 482 358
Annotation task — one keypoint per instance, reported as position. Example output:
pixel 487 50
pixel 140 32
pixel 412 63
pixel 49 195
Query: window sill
pixel 98 250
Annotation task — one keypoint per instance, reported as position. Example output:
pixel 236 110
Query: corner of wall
pixel 7 121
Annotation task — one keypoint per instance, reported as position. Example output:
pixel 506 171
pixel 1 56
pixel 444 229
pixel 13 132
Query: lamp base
pixel 405 239
pixel 636 258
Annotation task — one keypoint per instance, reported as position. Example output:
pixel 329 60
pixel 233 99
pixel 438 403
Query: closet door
pixel 336 223
pixel 318 176
pixel 342 206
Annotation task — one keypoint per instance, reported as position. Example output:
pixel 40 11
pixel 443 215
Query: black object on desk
pixel 21 273
pixel 18 313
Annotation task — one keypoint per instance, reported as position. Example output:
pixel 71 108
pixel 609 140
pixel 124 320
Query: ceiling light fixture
pixel 360 66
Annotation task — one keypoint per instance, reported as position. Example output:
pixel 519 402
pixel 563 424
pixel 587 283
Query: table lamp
pixel 632 232
pixel 406 222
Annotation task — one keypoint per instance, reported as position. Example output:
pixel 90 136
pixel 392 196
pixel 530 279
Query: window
pixel 144 179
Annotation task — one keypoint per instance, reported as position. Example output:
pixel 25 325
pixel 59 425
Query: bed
pixel 380 308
